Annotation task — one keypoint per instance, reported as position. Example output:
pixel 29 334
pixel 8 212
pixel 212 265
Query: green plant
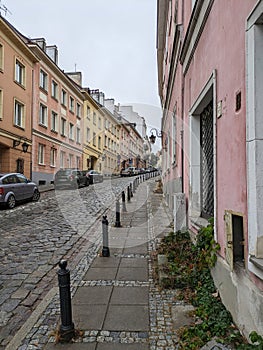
pixel 188 269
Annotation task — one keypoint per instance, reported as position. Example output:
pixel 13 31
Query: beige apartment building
pixel 16 74
pixel 111 154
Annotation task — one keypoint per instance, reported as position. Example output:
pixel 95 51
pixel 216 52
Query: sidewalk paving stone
pixel 128 317
pixel 130 296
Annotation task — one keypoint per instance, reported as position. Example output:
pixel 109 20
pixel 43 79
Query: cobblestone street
pixel 35 236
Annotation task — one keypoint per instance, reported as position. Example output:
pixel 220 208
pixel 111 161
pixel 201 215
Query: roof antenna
pixel 4 9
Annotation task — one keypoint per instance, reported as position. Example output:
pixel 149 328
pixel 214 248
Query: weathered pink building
pixel 210 83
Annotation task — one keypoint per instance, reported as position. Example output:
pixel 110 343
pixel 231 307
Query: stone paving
pixel 37 332
pixel 35 236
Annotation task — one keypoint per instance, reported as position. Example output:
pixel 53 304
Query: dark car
pixel 15 187
pixel 94 176
pixel 70 178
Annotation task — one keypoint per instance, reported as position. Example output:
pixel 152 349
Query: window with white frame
pixel 41 154
pixel 1 57
pixel 1 104
pixel 78 135
pixel 19 114
pixel 63 97
pixel 87 134
pixel 54 121
pixel 43 115
pixel 78 162
pixel 20 73
pixel 71 131
pixel 78 111
pixel 63 125
pixel 71 160
pixel 53 156
pixel 88 112
pixel 71 104
pixel 62 159
pixel 43 80
pixel 54 89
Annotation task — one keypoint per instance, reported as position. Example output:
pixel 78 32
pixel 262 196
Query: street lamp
pixel 153 137
pixel 25 145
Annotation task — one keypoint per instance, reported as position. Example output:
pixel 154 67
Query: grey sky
pixel 113 44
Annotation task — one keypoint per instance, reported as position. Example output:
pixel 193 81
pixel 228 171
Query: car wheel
pixel 11 202
pixel 36 196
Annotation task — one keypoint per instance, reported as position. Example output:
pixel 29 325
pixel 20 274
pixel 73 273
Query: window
pixel 63 97
pixel 88 134
pixel 43 115
pixel 94 139
pixel 53 156
pixel 78 112
pixel 62 159
pixel 71 104
pixel 54 121
pixel 105 141
pixel 19 114
pixel 88 112
pixel 99 123
pixel 70 160
pixel 54 89
pixel 1 104
pixel 63 127
pixel 41 152
pixel 20 73
pixel 78 162
pixel 94 118
pixel 78 135
pixel 71 131
pixel 43 80
pixel 1 57
pixel 99 142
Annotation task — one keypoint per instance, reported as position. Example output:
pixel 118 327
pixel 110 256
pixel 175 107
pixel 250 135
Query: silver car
pixel 15 187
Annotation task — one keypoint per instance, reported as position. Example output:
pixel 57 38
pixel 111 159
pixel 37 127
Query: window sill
pixel 43 125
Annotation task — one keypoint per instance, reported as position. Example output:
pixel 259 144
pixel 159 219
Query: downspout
pixel 182 102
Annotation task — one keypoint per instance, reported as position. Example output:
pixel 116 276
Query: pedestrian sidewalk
pixel 115 303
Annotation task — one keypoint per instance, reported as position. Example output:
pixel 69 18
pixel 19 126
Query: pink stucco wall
pixel 222 48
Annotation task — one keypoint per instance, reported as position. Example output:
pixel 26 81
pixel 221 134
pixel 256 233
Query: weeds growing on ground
pixel 188 269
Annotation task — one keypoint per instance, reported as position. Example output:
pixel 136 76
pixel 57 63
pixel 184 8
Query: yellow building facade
pixel 93 133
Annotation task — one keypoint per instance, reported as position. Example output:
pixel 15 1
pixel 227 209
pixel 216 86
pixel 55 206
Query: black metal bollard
pixel 118 214
pixel 128 194
pixel 105 237
pixel 131 190
pixel 67 330
pixel 134 185
pixel 123 201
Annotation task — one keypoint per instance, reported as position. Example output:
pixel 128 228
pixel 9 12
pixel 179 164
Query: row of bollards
pixel 67 328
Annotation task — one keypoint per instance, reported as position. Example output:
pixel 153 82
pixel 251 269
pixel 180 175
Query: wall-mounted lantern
pixel 152 138
pixel 25 145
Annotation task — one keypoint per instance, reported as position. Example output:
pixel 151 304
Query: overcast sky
pixel 113 44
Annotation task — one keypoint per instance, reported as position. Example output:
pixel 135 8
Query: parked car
pixel 130 171
pixel 94 176
pixel 15 187
pixel 70 178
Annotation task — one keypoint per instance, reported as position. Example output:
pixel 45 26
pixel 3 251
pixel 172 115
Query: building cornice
pixel 12 34
pixel 194 31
